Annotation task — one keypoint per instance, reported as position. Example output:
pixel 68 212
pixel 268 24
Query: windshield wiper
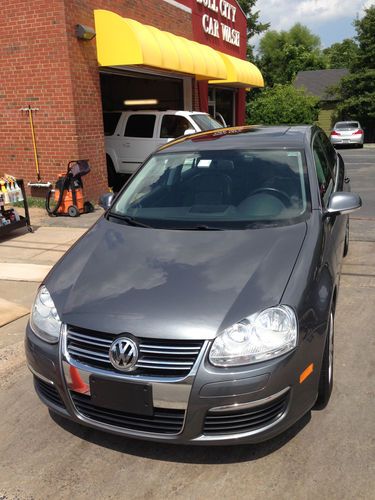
pixel 128 220
pixel 261 225
pixel 204 227
pixel 199 227
pixel 134 222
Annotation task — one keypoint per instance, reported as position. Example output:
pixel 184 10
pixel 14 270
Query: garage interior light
pixel 140 102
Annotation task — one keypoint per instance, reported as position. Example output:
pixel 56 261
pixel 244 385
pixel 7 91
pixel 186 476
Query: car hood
pixel 172 284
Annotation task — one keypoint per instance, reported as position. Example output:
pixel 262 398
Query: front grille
pixel 163 421
pixel 49 392
pixel 167 358
pixel 236 422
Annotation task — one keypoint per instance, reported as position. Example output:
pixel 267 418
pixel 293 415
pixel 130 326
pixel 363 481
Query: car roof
pixel 159 111
pixel 254 137
pixel 346 121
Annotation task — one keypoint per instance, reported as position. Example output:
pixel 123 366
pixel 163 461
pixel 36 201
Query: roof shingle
pixel 318 82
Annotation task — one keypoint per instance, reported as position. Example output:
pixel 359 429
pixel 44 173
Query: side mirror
pixel 220 118
pixel 343 203
pixel 105 201
pixel 189 131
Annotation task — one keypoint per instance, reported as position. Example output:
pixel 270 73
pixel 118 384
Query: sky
pixel 330 19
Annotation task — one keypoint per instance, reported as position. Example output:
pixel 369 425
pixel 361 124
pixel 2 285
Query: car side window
pixel 330 152
pixel 140 126
pixel 323 170
pixel 110 121
pixel 173 126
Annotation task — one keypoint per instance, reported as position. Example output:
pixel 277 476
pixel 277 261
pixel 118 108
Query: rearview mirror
pixel 189 131
pixel 105 201
pixel 343 203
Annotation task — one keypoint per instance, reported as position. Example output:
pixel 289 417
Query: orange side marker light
pixel 306 373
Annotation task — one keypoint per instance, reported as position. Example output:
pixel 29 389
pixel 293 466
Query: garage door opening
pixel 125 91
pixel 116 88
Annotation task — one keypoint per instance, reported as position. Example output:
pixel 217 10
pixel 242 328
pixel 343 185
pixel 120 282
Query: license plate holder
pixel 122 396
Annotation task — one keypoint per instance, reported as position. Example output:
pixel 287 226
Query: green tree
pixel 282 54
pixel 283 104
pixel 357 90
pixel 342 54
pixel 254 26
pixel 365 28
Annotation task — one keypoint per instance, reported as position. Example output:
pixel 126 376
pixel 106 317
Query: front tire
pixel 326 374
pixel 114 179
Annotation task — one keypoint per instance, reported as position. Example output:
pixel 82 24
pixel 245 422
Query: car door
pixel 337 168
pixel 329 178
pixel 138 141
pixel 113 135
pixel 173 126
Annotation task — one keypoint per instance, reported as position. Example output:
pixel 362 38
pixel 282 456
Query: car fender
pixel 113 156
pixel 311 290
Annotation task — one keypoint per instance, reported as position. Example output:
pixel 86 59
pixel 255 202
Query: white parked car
pixel 349 132
pixel 131 136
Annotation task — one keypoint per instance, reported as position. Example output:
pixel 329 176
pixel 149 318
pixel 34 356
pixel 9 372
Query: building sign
pixel 220 26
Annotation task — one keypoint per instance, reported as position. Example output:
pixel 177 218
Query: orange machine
pixel 68 194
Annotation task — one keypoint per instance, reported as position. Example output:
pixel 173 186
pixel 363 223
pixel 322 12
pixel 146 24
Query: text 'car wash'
pixel 211 26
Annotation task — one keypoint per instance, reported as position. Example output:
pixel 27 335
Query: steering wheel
pixel 283 197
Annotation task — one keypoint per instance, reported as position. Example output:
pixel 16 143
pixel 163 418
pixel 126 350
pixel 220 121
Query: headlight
pixel 44 320
pixel 257 338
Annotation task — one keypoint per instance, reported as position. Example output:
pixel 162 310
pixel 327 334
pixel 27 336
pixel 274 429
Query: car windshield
pixel 218 190
pixel 344 125
pixel 206 122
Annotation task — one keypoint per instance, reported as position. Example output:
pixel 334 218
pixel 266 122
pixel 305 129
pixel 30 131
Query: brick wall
pixel 43 64
pixel 84 69
pixel 35 70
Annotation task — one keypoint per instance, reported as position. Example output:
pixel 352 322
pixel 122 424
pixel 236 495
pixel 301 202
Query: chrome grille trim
pixel 171 358
pixel 246 418
pixel 48 392
pixel 177 363
pixel 163 421
pixel 176 348
pixel 87 340
pixel 87 356
pixel 84 352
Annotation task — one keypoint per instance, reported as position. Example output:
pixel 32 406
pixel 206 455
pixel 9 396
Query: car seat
pixel 209 188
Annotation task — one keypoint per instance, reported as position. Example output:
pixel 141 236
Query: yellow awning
pixel 122 42
pixel 240 73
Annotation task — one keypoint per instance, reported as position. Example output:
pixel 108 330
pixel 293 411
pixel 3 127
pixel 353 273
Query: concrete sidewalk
pixel 25 259
pixel 42 247
pixel 40 218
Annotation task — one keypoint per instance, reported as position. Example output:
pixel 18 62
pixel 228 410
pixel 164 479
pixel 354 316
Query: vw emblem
pixel 123 354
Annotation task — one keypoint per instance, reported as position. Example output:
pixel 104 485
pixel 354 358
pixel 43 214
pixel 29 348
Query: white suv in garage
pixel 131 136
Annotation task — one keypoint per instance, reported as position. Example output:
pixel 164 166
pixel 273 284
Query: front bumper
pixel 209 406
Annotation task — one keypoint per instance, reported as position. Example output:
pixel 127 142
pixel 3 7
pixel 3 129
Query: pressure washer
pixel 68 194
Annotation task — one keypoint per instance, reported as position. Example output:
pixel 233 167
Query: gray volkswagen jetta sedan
pixel 200 308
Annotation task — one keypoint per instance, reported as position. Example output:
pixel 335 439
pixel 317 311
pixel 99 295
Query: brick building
pixel 70 81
